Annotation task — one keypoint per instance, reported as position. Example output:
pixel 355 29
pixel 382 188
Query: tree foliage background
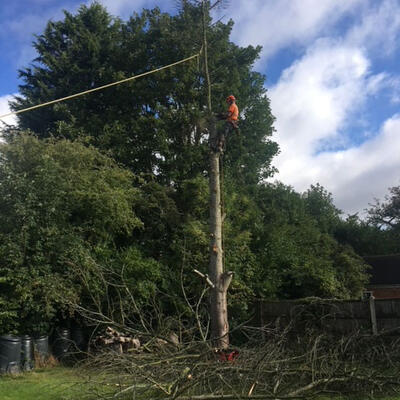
pixel 117 181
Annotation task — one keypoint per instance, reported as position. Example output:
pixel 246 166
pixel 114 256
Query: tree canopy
pixel 155 124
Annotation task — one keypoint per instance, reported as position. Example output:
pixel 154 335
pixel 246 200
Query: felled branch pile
pixel 275 363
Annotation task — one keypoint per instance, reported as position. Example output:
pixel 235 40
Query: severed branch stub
pixel 227 279
pixel 205 277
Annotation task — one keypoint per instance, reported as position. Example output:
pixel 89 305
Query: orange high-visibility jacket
pixel 233 112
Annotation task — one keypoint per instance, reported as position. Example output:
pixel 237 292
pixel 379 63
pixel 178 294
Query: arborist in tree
pixel 231 118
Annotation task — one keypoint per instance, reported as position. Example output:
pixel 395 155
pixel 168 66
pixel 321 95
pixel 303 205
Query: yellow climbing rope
pixel 100 87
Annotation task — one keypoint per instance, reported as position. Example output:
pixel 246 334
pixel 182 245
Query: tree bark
pixel 221 280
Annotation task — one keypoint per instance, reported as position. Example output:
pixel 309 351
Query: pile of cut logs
pixel 118 341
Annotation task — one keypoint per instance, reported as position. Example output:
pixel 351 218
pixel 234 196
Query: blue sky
pixel 332 69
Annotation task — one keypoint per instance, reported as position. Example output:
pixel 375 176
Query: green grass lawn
pixel 58 383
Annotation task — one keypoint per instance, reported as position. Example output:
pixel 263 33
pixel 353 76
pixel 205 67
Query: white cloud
pixel 277 24
pixel 314 101
pixel 4 109
pixel 379 28
pixel 314 96
pixel 357 176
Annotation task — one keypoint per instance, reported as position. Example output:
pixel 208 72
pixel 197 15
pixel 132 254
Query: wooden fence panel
pixel 332 315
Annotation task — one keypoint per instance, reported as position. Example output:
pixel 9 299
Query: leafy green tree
pixel 319 204
pixel 299 259
pixel 386 214
pixel 366 237
pixel 379 233
pixel 61 205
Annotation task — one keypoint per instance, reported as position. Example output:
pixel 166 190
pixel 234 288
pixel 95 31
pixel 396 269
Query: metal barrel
pixel 41 345
pixel 10 354
pixel 62 343
pixel 27 360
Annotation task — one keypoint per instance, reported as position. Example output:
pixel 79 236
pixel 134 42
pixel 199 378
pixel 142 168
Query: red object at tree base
pixel 228 357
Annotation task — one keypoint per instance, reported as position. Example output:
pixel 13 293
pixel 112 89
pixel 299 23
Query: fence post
pixel 373 314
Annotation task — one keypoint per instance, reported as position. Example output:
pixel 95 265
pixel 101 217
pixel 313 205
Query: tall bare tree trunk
pixel 220 279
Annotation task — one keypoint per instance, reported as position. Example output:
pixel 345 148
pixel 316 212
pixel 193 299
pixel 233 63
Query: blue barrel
pixel 27 362
pixel 62 343
pixel 10 354
pixel 41 345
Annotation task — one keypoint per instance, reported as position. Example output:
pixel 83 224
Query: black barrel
pixel 62 343
pixel 27 362
pixel 79 342
pixel 10 354
pixel 41 345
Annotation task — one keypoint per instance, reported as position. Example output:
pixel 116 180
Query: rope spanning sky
pixel 331 73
